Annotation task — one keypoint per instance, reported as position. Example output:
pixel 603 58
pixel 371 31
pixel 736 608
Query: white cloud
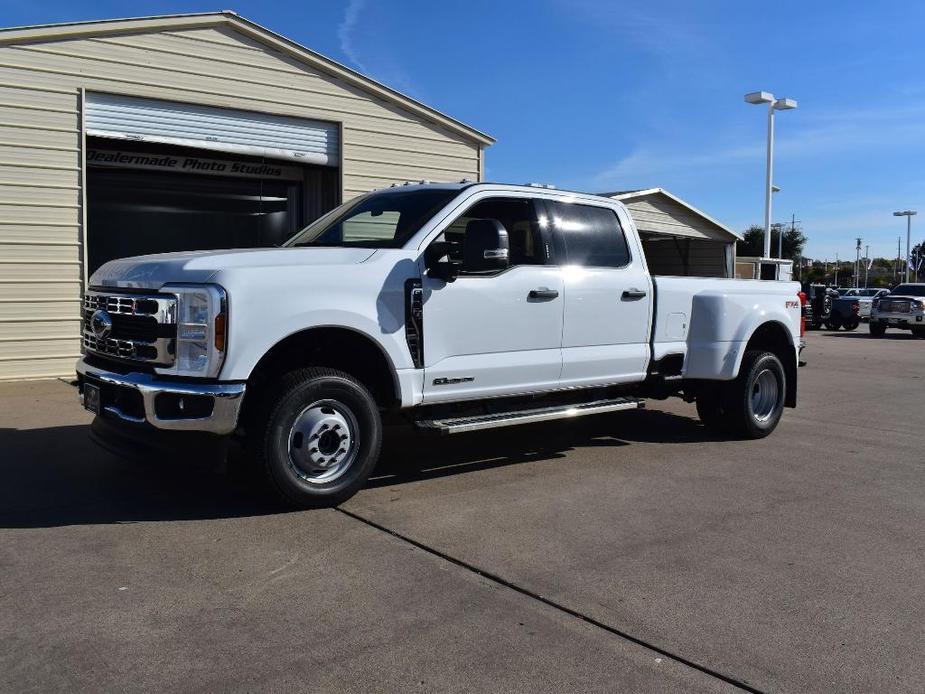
pixel 822 134
pixel 345 31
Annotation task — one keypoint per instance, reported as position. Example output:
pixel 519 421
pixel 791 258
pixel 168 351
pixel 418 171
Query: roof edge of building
pixel 78 29
pixel 661 191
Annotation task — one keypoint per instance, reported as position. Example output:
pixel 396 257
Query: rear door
pixel 497 333
pixel 608 296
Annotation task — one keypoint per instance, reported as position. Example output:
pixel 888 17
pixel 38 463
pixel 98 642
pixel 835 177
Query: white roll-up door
pixel 208 127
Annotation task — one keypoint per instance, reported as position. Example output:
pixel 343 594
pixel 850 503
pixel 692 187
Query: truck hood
pixel 154 271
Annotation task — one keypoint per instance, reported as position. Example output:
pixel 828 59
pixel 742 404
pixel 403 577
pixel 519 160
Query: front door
pixel 608 298
pixel 495 333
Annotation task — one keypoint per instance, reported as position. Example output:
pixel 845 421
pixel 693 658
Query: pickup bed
pixel 457 307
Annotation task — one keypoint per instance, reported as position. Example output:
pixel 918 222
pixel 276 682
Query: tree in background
pixel 753 243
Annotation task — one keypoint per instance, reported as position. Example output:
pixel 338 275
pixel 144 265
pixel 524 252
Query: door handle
pixel 634 293
pixel 543 293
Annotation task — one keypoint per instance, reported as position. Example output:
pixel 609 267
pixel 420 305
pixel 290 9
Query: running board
pixel 458 425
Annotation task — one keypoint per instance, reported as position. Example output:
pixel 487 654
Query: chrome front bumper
pixel 226 398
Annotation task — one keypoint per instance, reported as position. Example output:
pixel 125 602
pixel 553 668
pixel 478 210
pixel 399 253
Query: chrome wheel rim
pixel 765 395
pixel 323 442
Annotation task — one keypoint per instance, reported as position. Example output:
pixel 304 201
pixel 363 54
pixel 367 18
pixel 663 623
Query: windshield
pixel 378 220
pixel 869 292
pixel 909 290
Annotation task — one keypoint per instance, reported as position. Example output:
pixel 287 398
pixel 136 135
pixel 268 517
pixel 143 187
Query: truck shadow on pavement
pixel 57 476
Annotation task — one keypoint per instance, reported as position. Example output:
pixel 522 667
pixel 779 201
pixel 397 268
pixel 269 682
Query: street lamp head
pixel 905 213
pixel 759 97
pixel 785 104
pixel 775 189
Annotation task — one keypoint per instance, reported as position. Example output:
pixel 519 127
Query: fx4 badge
pixel 793 304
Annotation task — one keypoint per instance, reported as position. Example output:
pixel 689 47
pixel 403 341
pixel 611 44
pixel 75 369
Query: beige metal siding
pixel 39 232
pixel 41 256
pixel 660 214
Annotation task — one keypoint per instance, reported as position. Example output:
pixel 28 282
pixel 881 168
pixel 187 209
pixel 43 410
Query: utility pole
pixel 857 263
pixel 866 264
pixel 836 270
pixel 899 250
pixel 908 215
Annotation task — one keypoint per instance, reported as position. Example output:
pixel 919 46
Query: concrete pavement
pixel 630 552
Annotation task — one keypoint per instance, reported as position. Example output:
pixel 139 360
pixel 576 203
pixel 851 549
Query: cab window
pixel 589 236
pixel 518 215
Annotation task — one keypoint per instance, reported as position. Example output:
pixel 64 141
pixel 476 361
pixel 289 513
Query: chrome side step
pixel 458 425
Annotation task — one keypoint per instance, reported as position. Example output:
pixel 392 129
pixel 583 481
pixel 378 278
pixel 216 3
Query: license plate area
pixel 92 397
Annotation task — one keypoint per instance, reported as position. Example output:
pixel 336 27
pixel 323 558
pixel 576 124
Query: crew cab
pixel 456 307
pixel 902 308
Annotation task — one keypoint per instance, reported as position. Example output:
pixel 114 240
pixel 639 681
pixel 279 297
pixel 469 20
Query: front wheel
pixel 918 331
pixel 754 401
pixel 877 329
pixel 852 325
pixel 833 324
pixel 319 437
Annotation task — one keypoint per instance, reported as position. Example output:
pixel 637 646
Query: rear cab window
pixel 588 235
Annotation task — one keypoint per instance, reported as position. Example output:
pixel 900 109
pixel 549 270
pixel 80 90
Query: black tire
pixel 918 332
pixel 711 410
pixel 317 405
pixel 851 325
pixel 750 411
pixel 833 324
pixel 877 329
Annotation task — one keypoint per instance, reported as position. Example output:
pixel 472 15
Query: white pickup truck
pixel 456 306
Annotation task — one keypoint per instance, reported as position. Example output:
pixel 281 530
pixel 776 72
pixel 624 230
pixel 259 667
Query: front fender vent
pixel 414 321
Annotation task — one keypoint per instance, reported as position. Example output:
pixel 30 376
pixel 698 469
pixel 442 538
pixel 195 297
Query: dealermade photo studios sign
pixel 191 164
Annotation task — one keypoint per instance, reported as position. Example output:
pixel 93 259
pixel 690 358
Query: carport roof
pixel 629 195
pixel 229 18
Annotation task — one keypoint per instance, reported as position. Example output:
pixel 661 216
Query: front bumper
pixel 899 320
pixel 159 403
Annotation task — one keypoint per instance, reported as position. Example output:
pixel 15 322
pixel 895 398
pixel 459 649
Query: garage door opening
pixel 153 198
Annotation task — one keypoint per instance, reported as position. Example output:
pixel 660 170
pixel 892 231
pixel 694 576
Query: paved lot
pixel 627 553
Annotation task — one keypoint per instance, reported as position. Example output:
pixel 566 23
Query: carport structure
pixel 678 238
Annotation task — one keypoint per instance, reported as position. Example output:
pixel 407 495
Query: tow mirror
pixel 486 246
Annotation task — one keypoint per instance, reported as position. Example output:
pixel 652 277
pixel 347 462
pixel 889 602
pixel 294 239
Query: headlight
pixel 202 319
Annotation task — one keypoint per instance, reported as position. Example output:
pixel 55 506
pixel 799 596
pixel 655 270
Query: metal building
pixel 679 239
pixel 175 133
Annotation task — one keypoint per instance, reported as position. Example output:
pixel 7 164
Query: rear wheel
pixel 833 324
pixel 754 401
pixel 852 325
pixel 877 329
pixel 319 436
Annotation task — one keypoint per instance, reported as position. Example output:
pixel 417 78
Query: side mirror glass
pixel 486 247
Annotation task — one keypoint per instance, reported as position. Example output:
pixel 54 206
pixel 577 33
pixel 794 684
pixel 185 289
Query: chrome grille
pixel 143 326
pixel 893 306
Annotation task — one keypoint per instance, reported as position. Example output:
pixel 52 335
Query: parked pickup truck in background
pixel 902 308
pixel 458 307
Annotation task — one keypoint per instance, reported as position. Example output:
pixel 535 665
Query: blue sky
pixel 619 95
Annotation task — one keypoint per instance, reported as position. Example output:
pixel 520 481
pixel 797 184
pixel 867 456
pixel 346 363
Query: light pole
pixel 774 104
pixel 908 215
